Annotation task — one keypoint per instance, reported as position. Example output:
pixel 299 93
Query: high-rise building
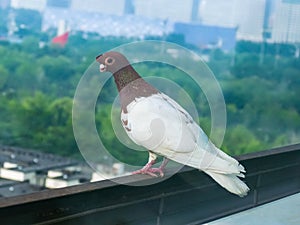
pixel 195 11
pixel 173 10
pixel 4 4
pixel 246 15
pixel 38 5
pixel 112 7
pixel 268 19
pixel 286 26
pixel 218 12
pixel 59 3
pixel 129 7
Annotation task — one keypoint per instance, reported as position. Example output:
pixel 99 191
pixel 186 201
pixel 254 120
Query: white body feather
pixel 161 125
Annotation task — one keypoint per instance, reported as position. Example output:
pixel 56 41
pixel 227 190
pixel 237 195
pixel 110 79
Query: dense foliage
pixel 37 87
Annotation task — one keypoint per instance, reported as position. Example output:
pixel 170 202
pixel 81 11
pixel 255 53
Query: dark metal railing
pixel 188 197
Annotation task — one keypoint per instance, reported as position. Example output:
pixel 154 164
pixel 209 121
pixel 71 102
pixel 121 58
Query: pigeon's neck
pixel 131 86
pixel 125 76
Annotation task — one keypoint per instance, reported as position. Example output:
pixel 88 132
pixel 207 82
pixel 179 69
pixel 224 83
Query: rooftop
pixel 24 171
pixel 30 160
pixel 10 188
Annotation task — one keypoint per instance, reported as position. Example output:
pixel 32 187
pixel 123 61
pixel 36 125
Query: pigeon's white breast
pixel 156 122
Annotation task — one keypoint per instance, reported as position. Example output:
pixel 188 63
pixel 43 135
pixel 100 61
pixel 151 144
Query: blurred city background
pixel 252 47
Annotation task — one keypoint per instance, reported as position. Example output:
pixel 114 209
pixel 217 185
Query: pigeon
pixel 158 123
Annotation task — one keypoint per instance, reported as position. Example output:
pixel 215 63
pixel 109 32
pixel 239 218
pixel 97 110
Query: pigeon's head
pixel 112 62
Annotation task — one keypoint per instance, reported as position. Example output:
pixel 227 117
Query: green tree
pixel 30 44
pixel 58 135
pixel 3 76
pixel 240 140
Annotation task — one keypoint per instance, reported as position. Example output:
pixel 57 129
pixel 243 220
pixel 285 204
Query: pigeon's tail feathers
pixel 216 163
pixel 226 171
pixel 226 166
pixel 228 158
pixel 230 182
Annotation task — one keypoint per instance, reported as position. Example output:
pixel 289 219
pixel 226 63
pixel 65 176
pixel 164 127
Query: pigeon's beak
pixel 102 67
pixel 98 56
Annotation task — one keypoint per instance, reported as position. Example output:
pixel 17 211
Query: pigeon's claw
pixel 153 172
pixel 146 169
pixel 143 171
pixel 157 170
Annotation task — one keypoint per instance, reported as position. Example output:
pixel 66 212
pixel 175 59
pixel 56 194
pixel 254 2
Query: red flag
pixel 61 39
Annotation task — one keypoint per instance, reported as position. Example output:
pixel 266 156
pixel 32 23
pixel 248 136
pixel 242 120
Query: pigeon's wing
pixel 207 157
pixel 161 125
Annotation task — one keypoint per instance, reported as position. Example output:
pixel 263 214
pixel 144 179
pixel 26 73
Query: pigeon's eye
pixel 109 61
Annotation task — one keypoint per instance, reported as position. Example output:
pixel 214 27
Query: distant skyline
pixel 279 19
pixel 286 21
pixel 235 13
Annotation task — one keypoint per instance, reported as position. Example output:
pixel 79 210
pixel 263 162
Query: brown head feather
pixel 129 83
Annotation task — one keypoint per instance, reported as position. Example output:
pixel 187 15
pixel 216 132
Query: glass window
pixel 250 48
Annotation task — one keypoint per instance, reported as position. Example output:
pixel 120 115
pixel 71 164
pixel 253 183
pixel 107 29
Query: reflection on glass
pixel 252 47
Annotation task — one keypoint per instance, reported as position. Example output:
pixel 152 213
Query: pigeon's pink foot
pixel 157 170
pixel 147 169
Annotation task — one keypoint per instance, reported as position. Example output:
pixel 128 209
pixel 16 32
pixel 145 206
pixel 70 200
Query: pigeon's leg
pixel 160 169
pixel 147 168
